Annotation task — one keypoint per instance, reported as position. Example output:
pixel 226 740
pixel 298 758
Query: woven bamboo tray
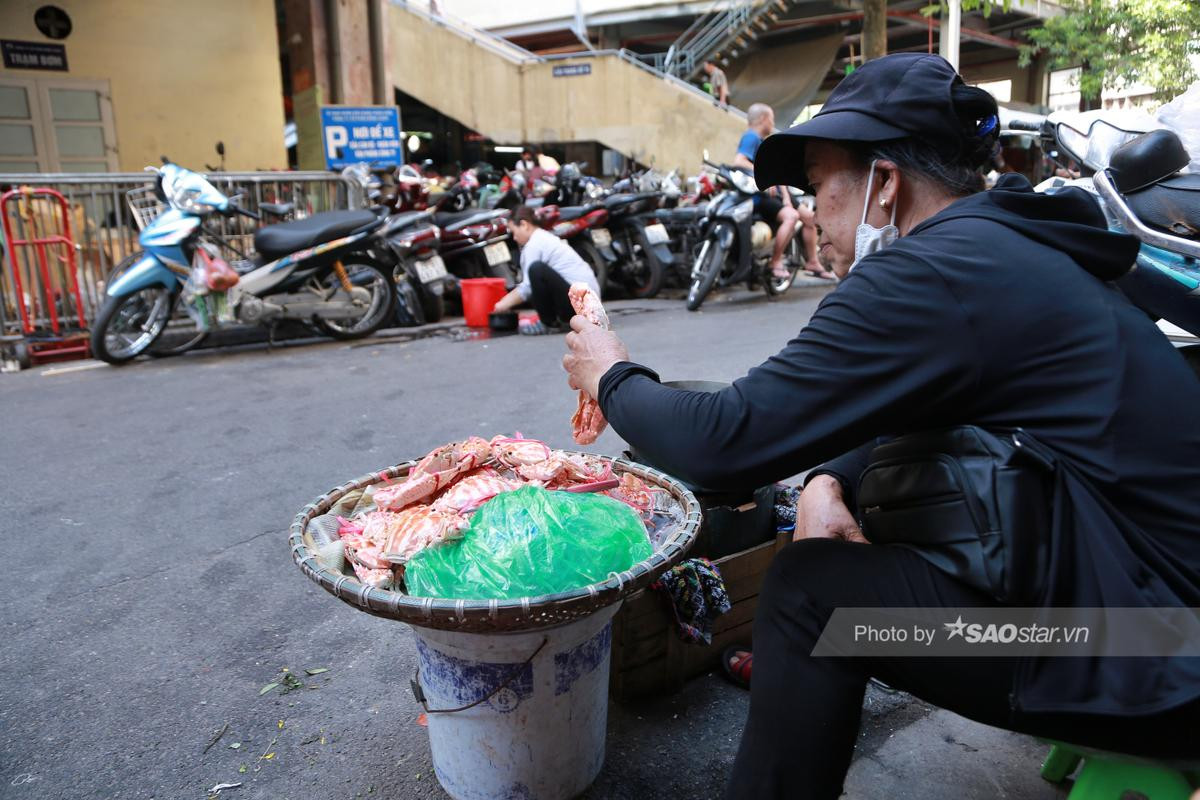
pixel 495 616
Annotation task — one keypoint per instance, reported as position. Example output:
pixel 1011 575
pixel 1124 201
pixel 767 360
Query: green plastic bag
pixel 530 542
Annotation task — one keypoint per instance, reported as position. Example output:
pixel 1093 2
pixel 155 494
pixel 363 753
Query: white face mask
pixel 867 238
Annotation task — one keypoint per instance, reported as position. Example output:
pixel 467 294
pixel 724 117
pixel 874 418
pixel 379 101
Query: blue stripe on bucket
pixel 457 682
pixel 573 664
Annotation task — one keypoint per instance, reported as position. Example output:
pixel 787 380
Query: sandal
pixel 737 668
pixel 821 273
pixel 538 328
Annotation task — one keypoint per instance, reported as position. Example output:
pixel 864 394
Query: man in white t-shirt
pixel 550 266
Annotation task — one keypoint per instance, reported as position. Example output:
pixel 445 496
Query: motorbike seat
pixel 457 220
pixel 288 237
pixel 619 200
pixel 405 219
pixel 278 209
pixel 623 202
pixel 1146 160
pixel 683 214
pixel 568 213
pixel 1171 205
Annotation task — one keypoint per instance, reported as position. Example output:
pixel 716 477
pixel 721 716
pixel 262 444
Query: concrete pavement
pixel 150 595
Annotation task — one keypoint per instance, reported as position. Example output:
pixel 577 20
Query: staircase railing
pixel 506 49
pixel 710 34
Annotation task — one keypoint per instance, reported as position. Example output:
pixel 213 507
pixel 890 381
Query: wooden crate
pixel 648 657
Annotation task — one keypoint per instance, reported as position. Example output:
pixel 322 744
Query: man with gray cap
pixel 956 307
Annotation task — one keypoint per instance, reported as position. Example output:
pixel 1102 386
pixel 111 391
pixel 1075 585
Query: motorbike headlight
pixel 743 181
pixel 743 210
pixel 189 200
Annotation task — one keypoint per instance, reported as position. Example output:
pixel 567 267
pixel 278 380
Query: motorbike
pixel 476 244
pixel 1135 170
pixel 573 188
pixel 321 269
pixel 420 275
pixel 737 244
pixel 681 214
pixel 517 189
pixel 582 227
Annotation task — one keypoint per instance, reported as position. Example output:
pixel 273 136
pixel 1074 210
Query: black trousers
pixel 805 711
pixel 550 294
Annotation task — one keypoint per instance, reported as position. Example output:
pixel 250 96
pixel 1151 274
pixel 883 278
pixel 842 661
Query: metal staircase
pixel 720 35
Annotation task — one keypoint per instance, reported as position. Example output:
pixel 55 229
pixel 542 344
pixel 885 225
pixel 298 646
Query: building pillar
pixel 874 33
pixel 330 46
pixel 948 40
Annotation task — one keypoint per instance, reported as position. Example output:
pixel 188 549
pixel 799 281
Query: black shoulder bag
pixel 975 503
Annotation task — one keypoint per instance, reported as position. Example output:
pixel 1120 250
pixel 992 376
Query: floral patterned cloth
pixel 697 594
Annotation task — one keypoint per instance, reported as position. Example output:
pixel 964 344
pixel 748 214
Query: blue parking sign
pixel 357 134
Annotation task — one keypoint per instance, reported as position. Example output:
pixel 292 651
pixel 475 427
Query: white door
pixel 56 125
pixel 21 146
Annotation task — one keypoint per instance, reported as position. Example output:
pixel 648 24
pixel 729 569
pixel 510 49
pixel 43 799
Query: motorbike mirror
pixel 220 148
pixel 705 154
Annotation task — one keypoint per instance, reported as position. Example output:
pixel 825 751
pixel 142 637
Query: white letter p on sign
pixel 335 137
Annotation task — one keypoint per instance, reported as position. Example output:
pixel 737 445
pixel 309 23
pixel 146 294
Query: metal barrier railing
pixel 105 230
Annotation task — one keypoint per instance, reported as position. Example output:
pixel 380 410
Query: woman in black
pixel 955 307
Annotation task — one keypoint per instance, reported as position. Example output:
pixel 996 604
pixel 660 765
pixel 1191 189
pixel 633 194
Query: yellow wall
pixel 618 104
pixel 183 75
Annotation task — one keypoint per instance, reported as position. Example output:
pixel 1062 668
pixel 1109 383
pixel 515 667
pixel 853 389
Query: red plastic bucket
pixel 479 296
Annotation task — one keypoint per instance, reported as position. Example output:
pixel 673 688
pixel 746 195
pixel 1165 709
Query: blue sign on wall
pixel 567 70
pixel 353 135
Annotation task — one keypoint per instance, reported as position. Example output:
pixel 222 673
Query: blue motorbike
pixel 325 269
pixel 1139 175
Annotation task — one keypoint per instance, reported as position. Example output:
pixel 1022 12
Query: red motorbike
pixel 583 228
pixel 475 243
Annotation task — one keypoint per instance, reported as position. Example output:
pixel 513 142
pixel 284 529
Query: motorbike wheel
pixel 181 333
pixel 126 326
pixel 794 257
pixel 434 305
pixel 712 257
pixel 645 276
pixel 588 252
pixel 409 310
pixel 365 274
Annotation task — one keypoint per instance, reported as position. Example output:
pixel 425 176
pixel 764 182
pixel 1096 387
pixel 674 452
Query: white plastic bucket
pixel 541 737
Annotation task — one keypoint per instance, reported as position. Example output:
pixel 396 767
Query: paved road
pixel 150 594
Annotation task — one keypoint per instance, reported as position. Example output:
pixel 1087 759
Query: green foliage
pixel 983 6
pixel 1120 42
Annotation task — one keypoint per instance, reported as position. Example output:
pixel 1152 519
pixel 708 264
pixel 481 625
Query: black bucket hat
pixel 894 97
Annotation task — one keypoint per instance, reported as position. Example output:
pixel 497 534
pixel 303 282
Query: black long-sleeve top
pixel 995 312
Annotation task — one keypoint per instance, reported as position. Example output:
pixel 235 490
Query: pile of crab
pixel 435 501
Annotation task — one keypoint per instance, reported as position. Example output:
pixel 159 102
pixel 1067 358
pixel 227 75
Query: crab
pixel 588 421
pixel 418 527
pixel 635 493
pixel 517 451
pixel 572 473
pixel 473 491
pixel 436 471
pixel 363 539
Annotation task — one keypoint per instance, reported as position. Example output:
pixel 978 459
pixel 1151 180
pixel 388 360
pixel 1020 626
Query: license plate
pixel 601 237
pixel 497 253
pixel 657 234
pixel 430 269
